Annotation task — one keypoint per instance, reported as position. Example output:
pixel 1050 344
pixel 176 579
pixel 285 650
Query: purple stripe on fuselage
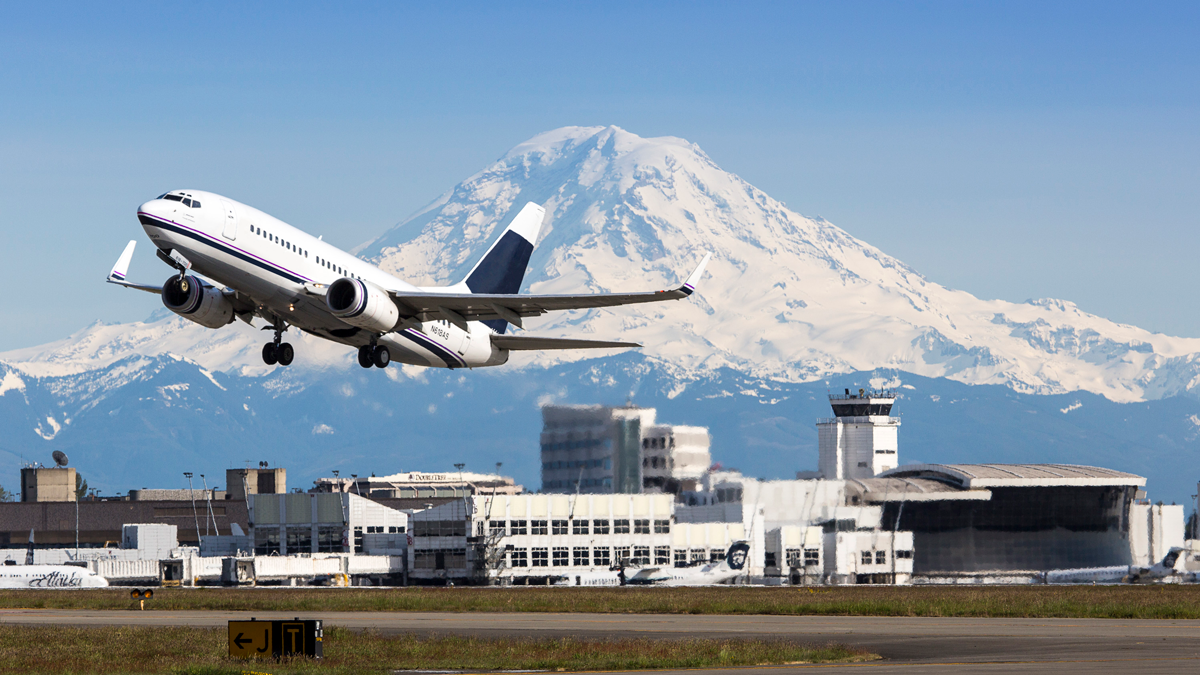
pixel 414 337
pixel 206 235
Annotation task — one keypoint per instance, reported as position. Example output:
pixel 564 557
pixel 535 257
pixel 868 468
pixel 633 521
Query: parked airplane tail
pixel 737 555
pixel 29 551
pixel 502 268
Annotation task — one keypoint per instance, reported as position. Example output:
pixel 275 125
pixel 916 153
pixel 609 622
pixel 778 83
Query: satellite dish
pixel 60 458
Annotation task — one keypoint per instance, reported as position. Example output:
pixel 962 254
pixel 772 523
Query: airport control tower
pixel 859 441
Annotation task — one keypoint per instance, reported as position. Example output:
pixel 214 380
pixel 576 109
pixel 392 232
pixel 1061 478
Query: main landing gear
pixel 374 355
pixel 278 352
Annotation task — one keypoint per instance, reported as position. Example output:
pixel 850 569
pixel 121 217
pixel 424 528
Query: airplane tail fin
pixel 29 551
pixel 502 268
pixel 737 555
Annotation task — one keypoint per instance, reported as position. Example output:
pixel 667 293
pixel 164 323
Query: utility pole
pixel 195 515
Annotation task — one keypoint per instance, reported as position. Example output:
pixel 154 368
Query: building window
pixel 681 557
pixel 620 527
pixel 558 527
pixel 541 557
pixel 621 555
pixel 266 540
pixel 299 539
pixel 358 540
pixel 329 539
pixel 520 557
pixel 812 556
pixel 698 555
pixel 641 527
pixel 907 555
pixel 880 557
pixel 456 559
pixel 600 557
pixel 582 558
pixel 537 527
pixel 716 555
pixel 561 556
pixel 599 527
pixel 579 527
pixel 496 527
pixel 394 529
pixel 641 555
pixel 867 558
pixel 662 527
pixel 519 527
pixel 662 555
pixel 423 560
pixel 769 559
pixel 794 557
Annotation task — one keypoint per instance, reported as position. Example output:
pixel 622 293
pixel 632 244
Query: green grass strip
pixel 1169 601
pixel 57 650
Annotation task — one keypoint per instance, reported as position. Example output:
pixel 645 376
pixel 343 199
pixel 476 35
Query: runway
pixel 907 644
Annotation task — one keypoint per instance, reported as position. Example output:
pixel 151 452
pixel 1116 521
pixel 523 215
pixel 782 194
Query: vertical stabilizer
pixel 502 268
pixel 29 551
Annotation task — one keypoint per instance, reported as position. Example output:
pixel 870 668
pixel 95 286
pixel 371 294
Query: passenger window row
pixel 282 242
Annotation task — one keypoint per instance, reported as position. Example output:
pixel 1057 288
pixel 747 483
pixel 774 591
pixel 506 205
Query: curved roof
pixel 892 489
pixel 974 476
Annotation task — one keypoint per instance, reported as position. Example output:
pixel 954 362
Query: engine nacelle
pixel 196 301
pixel 363 305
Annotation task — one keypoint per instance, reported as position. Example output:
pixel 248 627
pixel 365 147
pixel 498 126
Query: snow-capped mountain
pixel 788 303
pixel 786 298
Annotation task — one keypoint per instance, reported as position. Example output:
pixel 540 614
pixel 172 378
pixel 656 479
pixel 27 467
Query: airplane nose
pixel 154 207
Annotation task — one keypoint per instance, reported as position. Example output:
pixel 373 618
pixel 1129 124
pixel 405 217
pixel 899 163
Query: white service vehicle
pixel 263 267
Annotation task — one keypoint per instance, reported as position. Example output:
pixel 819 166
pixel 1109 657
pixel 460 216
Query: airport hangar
pixel 973 518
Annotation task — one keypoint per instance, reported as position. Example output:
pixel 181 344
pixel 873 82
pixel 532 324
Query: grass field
pixel 1124 602
pixel 202 651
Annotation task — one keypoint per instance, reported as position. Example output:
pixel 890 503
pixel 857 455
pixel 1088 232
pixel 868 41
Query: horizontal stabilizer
pixel 520 343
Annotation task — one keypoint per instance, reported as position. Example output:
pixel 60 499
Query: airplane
pixel 705 574
pixel 263 267
pixel 1120 574
pixel 30 575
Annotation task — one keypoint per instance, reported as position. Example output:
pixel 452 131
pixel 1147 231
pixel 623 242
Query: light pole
pixel 195 515
pixel 208 499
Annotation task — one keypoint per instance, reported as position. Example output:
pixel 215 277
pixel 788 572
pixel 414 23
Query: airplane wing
pixel 517 343
pixel 458 308
pixel 117 275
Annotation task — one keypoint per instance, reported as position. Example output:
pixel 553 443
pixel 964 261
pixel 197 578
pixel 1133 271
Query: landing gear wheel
pixel 285 354
pixel 364 356
pixel 381 357
pixel 269 354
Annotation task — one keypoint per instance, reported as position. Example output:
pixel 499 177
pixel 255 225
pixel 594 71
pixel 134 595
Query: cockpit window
pixel 187 202
pixel 162 196
pixel 195 204
pixel 174 198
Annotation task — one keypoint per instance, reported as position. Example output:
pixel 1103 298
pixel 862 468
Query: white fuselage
pixel 268 262
pixel 49 576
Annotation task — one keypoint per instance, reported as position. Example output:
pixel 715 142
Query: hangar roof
pixel 879 490
pixel 974 476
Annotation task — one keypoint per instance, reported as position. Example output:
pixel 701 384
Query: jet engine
pixel 196 301
pixel 361 304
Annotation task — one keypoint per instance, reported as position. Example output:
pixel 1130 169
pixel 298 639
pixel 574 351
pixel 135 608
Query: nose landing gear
pixel 374 355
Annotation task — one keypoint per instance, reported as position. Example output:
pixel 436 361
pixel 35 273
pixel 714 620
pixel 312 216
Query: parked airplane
pixel 30 575
pixel 1121 574
pixel 269 269
pixel 706 574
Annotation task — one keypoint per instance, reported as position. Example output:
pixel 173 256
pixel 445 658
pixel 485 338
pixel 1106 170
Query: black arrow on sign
pixel 239 640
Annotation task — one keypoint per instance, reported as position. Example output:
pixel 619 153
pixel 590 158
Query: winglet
pixel 122 267
pixel 689 286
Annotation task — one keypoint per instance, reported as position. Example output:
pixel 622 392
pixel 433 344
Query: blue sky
pixel 1012 150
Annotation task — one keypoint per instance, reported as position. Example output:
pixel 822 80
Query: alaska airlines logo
pixel 737 555
pixel 56 580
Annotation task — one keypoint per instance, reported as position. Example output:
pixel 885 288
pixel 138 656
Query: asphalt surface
pixel 907 644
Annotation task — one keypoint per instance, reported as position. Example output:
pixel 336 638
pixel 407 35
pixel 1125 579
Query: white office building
pixel 623 450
